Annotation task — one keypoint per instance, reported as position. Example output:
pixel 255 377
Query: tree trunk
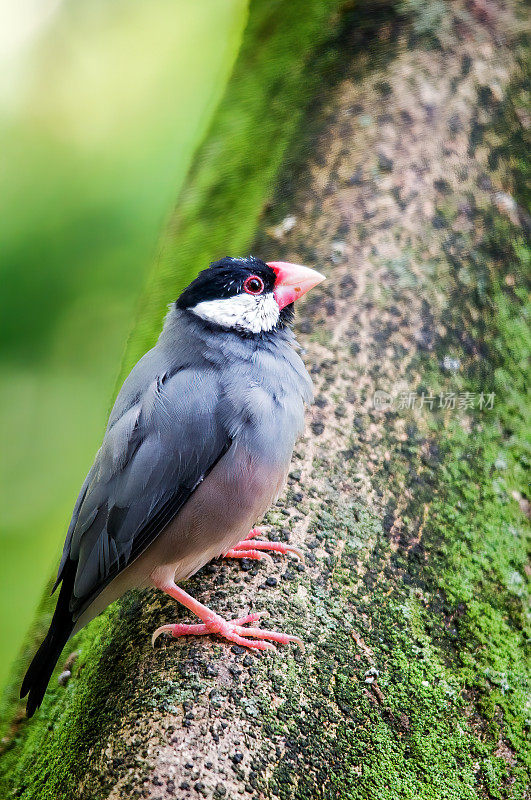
pixel 407 491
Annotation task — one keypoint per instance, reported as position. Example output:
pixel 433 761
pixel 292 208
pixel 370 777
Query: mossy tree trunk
pixel 404 184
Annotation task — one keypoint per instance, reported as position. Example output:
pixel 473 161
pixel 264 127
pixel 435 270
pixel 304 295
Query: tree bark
pixel 408 489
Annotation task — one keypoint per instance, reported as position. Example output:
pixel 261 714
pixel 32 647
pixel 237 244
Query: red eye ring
pixel 253 285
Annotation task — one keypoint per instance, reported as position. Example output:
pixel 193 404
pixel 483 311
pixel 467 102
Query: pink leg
pixel 213 623
pixel 248 549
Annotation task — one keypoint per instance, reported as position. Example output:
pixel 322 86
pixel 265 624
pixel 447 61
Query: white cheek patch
pixel 249 312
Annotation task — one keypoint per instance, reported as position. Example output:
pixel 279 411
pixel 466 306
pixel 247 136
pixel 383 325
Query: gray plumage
pixel 188 401
pixel 197 446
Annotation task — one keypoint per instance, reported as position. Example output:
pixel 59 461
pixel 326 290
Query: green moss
pixel 47 757
pixel 440 614
pixel 444 622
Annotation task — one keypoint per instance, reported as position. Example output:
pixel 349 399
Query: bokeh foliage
pixel 100 116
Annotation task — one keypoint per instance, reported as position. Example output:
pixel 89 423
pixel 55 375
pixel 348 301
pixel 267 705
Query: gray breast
pixel 262 405
pixel 260 395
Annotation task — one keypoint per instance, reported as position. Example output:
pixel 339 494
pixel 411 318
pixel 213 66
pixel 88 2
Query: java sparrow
pixel 197 447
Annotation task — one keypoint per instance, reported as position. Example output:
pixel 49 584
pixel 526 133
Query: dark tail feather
pixel 40 670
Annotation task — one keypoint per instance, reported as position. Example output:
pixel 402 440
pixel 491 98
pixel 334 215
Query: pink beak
pixel 293 281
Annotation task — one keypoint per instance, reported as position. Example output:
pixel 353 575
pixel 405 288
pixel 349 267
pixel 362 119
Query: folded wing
pixel 151 460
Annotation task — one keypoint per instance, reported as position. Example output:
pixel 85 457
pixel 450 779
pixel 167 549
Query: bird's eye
pixel 253 285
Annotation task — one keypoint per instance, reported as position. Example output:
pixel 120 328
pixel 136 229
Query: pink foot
pixel 213 623
pixel 255 550
pixel 233 631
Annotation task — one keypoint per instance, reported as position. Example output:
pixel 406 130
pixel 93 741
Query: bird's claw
pixel 159 632
pixel 252 553
pixel 250 548
pixel 233 631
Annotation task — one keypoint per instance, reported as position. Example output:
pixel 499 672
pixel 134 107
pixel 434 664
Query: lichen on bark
pixel 405 183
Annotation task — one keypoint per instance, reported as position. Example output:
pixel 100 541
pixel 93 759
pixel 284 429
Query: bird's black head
pixel 226 278
pixel 247 295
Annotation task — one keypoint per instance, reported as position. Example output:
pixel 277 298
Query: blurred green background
pixel 102 103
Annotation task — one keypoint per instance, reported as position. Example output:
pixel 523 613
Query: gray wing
pixel 152 458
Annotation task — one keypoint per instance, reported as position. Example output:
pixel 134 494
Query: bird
pixel 197 447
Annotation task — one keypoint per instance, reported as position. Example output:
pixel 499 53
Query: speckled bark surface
pixel 406 191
